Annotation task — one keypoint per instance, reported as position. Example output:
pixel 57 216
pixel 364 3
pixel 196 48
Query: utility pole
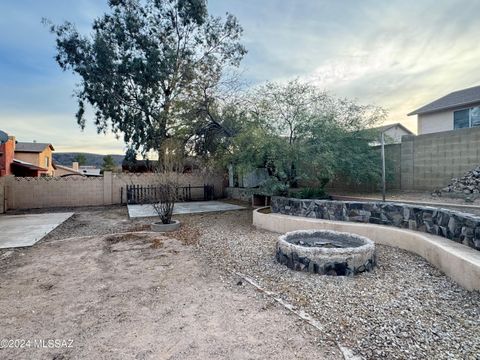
pixel 383 167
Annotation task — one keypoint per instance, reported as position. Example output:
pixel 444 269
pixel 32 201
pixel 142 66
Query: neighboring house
pixel 88 170
pixel 7 148
pixel 23 163
pixel 63 171
pixel 36 154
pixel 26 169
pixel 393 133
pixel 457 110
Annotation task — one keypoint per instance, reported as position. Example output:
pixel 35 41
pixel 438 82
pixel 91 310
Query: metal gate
pixel 149 194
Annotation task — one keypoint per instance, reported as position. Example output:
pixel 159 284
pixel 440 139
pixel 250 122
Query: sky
pixel 396 54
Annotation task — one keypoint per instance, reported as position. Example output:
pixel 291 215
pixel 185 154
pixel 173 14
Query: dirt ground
pixel 138 296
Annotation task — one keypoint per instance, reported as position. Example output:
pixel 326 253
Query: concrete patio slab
pixel 26 230
pixel 147 210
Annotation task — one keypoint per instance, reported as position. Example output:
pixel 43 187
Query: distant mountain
pixel 67 158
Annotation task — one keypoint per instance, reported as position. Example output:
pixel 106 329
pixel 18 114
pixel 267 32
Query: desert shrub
pixel 310 193
pixel 167 198
pixel 273 187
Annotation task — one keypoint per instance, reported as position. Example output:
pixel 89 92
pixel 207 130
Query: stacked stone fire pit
pixel 326 252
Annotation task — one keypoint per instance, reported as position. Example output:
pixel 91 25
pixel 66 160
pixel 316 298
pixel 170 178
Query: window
pixel 47 162
pixel 475 116
pixel 466 118
pixel 461 119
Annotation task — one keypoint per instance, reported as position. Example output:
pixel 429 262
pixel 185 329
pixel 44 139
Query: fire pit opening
pixel 326 252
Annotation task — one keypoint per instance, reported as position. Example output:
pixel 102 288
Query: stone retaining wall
pixel 454 225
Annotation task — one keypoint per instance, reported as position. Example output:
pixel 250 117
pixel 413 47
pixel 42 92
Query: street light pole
pixel 383 167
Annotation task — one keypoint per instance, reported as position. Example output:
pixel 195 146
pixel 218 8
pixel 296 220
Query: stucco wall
pixel 436 122
pixel 60 171
pixel 395 134
pixel 26 193
pixel 37 159
pixel 439 121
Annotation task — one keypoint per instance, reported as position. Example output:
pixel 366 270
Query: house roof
pixel 452 100
pixel 27 165
pixel 88 171
pixel 32 147
pixel 384 128
pixel 69 169
pixel 3 137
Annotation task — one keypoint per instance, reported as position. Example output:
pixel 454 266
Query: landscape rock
pixel 463 186
pixel 453 225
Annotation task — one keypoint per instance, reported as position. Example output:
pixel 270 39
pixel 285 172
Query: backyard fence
pixel 148 194
pixel 46 192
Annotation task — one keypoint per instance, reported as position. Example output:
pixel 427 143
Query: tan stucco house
pixel 37 154
pixel 63 171
pixel 393 133
pixel 457 110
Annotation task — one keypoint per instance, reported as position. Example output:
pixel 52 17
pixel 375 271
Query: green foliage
pixel 130 158
pixel 299 133
pixel 144 64
pixel 310 193
pixel 273 187
pixel 108 164
pixel 80 159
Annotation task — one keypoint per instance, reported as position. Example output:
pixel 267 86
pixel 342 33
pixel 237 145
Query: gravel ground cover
pixel 138 295
pixel 404 309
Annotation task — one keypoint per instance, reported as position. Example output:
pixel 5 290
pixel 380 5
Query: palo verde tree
pixel 143 60
pixel 298 132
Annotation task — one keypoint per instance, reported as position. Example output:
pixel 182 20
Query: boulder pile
pixel 466 185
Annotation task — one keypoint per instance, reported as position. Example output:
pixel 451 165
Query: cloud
pixel 397 54
pixel 60 130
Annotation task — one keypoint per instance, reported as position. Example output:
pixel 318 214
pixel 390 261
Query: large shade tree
pixel 298 132
pixel 142 63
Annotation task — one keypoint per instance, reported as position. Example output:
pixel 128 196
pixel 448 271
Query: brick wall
pixel 7 151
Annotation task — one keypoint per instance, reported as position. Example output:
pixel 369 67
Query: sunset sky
pixel 396 54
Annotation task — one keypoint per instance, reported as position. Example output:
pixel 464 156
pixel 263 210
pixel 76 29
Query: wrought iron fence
pixel 148 194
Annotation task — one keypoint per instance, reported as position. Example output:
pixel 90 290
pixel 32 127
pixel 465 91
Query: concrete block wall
pixel 426 162
pixel 430 161
pixel 27 193
pixel 45 192
pixel 120 181
pixel 393 159
pixel 2 195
